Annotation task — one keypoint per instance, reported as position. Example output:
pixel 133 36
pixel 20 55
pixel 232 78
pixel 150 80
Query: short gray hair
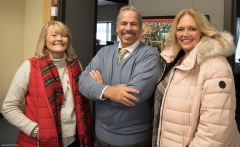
pixel 128 7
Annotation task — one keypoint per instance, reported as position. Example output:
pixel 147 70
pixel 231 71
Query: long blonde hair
pixel 202 23
pixel 61 29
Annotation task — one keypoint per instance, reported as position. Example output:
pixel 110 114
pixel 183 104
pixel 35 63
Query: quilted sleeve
pixel 217 126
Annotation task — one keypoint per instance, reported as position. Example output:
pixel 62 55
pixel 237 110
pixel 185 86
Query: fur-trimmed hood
pixel 212 48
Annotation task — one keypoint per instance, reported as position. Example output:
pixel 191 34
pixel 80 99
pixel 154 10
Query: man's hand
pixel 121 94
pixel 97 76
pixel 118 93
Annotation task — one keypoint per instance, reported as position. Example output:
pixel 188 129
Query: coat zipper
pixel 164 98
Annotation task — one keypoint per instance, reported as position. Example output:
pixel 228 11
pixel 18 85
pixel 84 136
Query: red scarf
pixel 53 87
pixel 54 91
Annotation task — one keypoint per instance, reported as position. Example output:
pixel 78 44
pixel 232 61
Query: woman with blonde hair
pixel 56 113
pixel 195 99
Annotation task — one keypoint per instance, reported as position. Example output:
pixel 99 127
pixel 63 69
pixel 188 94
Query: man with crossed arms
pixel 122 89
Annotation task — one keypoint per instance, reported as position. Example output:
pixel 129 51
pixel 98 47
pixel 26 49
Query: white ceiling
pixel 104 2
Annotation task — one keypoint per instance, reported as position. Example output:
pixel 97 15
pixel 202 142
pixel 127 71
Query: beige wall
pixel 20 25
pixel 32 26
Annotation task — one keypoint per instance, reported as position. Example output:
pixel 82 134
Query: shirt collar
pixel 130 48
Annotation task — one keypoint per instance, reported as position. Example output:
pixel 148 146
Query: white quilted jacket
pixel 198 107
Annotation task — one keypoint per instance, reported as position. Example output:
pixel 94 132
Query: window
pixel 103 32
pixel 237 40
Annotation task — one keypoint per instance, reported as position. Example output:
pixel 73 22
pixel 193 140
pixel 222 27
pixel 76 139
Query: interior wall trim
pixel 61 10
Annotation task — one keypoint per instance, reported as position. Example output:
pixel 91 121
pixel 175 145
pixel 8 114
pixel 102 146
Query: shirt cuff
pixel 28 130
pixel 101 96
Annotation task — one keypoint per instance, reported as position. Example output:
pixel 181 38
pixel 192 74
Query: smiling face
pixel 187 33
pixel 128 28
pixel 56 43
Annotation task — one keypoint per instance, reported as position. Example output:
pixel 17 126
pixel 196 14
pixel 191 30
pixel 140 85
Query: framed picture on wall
pixel 155 30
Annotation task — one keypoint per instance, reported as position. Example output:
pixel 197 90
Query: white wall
pixel 213 8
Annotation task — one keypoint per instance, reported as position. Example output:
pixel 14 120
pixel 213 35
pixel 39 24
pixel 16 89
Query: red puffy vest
pixel 38 109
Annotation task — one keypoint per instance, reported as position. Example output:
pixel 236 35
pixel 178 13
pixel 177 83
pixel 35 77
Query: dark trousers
pixel 76 143
pixel 147 143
